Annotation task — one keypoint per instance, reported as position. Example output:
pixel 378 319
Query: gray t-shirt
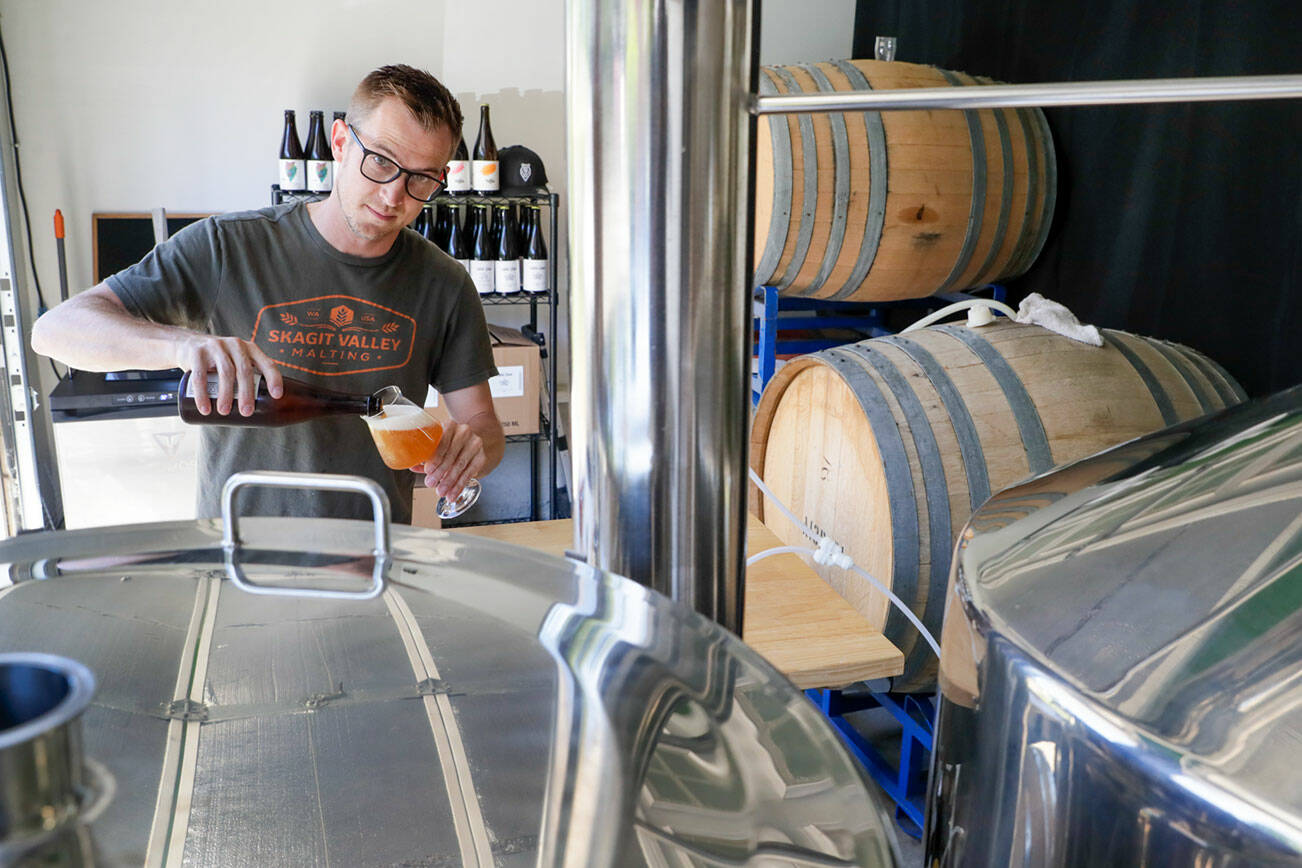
pixel 410 318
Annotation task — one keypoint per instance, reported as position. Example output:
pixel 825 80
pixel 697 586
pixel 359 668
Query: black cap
pixel 521 170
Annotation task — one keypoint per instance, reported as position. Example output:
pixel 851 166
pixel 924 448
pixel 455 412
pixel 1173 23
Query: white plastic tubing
pixel 829 552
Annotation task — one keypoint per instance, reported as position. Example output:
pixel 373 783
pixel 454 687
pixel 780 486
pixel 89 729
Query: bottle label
pixel 458 179
pixel 213 382
pixel 464 263
pixel 534 276
pixel 487 179
pixel 293 174
pixel 509 382
pixel 481 272
pixel 507 275
pixel 320 175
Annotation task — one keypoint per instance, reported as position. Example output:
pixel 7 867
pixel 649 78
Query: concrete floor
pixel 883 732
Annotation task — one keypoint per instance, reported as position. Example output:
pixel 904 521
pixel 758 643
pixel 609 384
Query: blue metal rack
pixel 865 319
pixel 906 780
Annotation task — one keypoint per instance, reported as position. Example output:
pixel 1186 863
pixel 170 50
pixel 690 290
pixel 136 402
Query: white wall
pixel 798 31
pixel 137 104
pixel 129 105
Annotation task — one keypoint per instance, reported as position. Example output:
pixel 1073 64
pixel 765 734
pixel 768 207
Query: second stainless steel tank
pixel 1121 676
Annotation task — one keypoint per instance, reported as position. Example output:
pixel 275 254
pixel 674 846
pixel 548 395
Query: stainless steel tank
pixel 1121 668
pixel 295 692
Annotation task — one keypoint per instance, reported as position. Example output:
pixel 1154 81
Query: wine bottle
pixel 458 238
pixel 506 264
pixel 430 229
pixel 439 226
pixel 293 165
pixel 494 230
pixel 484 167
pixel 481 252
pixel 298 402
pixel 458 178
pixel 320 161
pixel 417 224
pixel 533 265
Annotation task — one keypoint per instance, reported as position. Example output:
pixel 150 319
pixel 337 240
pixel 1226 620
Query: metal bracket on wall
pixel 884 48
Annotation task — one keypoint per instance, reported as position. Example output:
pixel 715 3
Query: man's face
pixel 376 213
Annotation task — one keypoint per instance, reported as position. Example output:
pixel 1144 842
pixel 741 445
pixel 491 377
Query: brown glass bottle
pixel 320 160
pixel 293 163
pixel 483 160
pixel 299 402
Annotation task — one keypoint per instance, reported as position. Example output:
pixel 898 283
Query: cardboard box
pixel 423 501
pixel 517 392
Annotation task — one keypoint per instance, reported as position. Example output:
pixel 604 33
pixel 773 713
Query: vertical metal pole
pixel 658 144
pixel 554 297
pixel 30 473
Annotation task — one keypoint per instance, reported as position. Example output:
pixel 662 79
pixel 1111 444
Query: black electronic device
pixel 93 395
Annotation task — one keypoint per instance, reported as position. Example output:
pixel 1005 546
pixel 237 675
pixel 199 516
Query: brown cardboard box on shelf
pixel 423 501
pixel 516 388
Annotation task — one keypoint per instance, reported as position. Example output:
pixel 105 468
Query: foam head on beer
pixel 405 435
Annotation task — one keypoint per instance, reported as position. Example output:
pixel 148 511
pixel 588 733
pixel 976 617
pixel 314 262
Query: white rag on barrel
pixel 1038 310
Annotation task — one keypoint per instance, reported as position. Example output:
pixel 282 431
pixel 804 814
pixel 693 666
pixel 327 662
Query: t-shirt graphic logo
pixel 335 335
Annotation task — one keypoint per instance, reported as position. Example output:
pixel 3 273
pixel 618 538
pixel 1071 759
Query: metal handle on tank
pixel 326 482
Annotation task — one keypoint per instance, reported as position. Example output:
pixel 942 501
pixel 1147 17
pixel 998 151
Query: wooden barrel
pixel 872 206
pixel 890 444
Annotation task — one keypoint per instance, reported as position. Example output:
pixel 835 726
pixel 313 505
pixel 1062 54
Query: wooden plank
pixel 792 618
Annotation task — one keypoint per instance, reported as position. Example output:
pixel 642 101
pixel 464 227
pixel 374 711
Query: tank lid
pixel 482 708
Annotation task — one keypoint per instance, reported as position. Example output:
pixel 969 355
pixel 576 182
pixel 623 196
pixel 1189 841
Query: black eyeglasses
pixel 380 169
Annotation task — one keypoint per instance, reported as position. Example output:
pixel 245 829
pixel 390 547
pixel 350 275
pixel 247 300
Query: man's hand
pixel 93 331
pixel 236 362
pixel 470 447
pixel 459 458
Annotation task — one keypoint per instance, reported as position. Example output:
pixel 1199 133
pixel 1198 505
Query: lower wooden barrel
pixel 872 206
pixel 890 444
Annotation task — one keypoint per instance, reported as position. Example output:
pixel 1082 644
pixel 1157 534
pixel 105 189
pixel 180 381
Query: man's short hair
pixel 432 104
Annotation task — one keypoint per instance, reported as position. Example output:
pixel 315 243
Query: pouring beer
pixel 406 436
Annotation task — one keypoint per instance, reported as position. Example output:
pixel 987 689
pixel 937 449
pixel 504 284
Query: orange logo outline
pixel 410 347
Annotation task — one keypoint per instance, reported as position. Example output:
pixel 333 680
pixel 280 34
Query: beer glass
pixel 406 436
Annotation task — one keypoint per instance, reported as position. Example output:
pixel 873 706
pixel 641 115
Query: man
pixel 336 293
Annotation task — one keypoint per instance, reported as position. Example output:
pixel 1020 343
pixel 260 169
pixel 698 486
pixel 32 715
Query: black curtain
pixel 1180 221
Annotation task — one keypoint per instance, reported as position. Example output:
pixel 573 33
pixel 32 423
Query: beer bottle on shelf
pixel 320 161
pixel 458 178
pixel 481 252
pixel 298 402
pixel 458 237
pixel 484 163
pixel 506 264
pixel 293 165
pixel 533 264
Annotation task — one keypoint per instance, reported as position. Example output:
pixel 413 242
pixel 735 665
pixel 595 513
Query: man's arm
pixel 472 445
pixel 93 331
